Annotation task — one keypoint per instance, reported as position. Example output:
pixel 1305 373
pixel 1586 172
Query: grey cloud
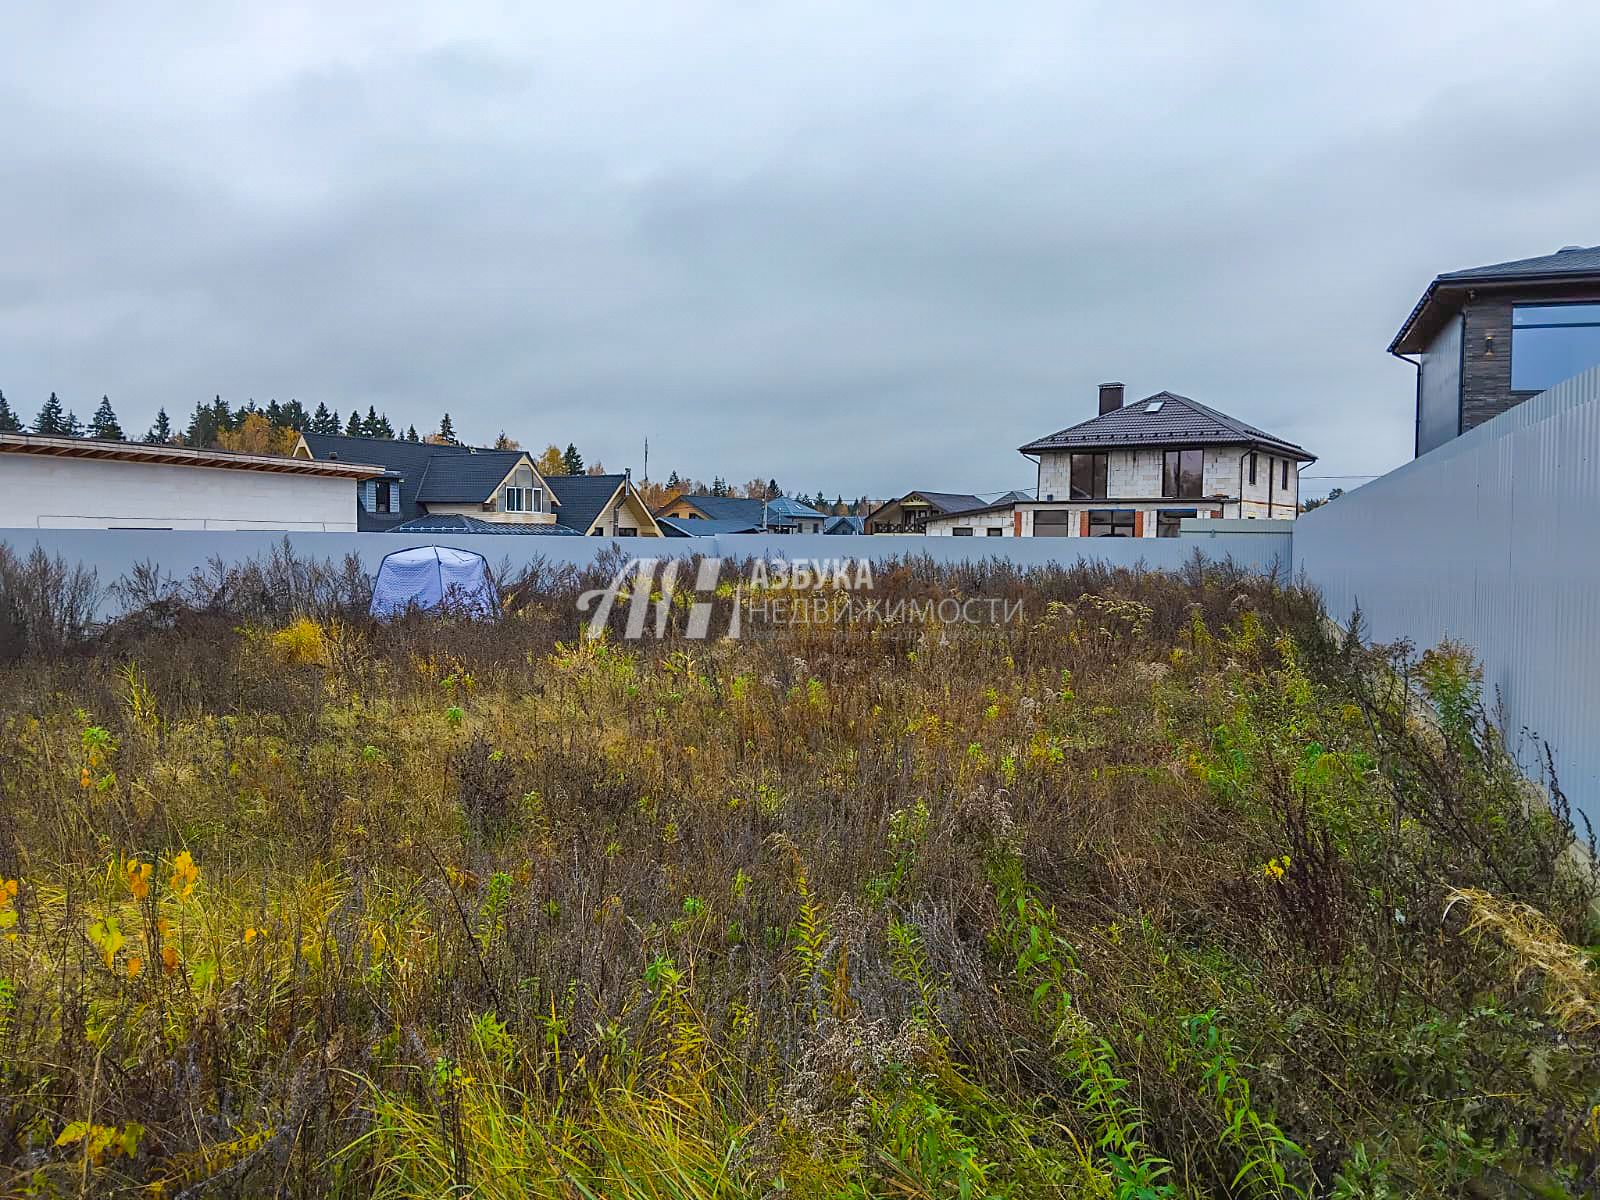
pixel 852 249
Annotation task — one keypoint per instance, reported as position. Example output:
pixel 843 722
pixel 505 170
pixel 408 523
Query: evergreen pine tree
pixel 273 413
pixel 673 481
pixel 572 460
pixel 323 421
pixel 719 486
pixel 385 430
pixel 352 427
pixel 51 420
pixel 411 433
pixel 294 416
pixel 369 423
pixel 447 431
pixel 202 426
pixel 222 416
pixel 8 419
pixel 104 424
pixel 161 432
pixel 772 489
pixel 74 426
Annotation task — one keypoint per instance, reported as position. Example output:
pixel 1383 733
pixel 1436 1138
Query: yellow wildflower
pixel 250 935
pixel 84 779
pixel 138 878
pixel 185 875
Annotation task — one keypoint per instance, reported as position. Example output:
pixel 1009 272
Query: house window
pixel 961 531
pixel 626 531
pixel 386 496
pixel 1552 342
pixel 1167 521
pixel 1111 522
pixel 1053 522
pixel 1089 476
pixel 1252 466
pixel 1183 474
pixel 519 494
pixel 1286 474
pixel 995 531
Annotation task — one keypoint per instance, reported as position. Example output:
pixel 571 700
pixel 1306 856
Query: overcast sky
pixel 859 247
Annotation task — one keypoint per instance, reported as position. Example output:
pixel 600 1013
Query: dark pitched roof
pixel 1569 260
pixel 466 478
pixel 1164 419
pixel 458 523
pixel 700 527
pixel 780 511
pixel 408 460
pixel 998 504
pixel 1445 295
pixel 582 497
pixel 948 502
pixel 844 525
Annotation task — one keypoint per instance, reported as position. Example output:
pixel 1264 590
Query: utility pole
pixel 645 478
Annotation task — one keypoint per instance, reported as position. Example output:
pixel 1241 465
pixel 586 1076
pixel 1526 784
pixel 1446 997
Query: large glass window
pixel 1052 522
pixel 1183 474
pixel 1169 521
pixel 1089 476
pixel 1552 342
pixel 520 494
pixel 1110 522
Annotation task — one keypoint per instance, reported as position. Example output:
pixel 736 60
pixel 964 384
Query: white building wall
pixel 42 492
pixel 980 525
pixel 1136 474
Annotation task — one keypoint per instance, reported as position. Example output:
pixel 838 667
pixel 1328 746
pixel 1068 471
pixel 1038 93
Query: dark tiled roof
pixel 582 497
pixel 700 527
pixel 780 511
pixel 458 523
pixel 844 525
pixel 466 478
pixel 1571 260
pixel 1000 503
pixel 1571 265
pixel 1164 419
pixel 948 502
pixel 409 460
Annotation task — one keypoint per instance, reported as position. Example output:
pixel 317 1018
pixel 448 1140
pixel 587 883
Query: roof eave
pixel 1404 343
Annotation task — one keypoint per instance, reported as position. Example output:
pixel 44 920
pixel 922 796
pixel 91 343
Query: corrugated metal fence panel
pixel 1492 540
pixel 115 553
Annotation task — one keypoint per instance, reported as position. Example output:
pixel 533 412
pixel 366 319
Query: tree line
pixel 274 429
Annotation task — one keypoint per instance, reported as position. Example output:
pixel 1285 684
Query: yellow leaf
pixel 169 959
pixel 135 965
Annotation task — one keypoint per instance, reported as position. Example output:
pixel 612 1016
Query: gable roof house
pixel 421 479
pixel 910 513
pixel 86 483
pixel 783 514
pixel 1136 470
pixel 602 506
pixel 1488 338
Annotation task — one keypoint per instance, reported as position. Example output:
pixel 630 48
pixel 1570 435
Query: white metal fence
pixel 1491 540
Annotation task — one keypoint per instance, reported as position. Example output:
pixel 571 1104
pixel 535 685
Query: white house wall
pixel 41 492
pixel 1136 474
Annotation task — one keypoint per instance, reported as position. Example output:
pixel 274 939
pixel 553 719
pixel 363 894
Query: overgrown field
pixel 1162 891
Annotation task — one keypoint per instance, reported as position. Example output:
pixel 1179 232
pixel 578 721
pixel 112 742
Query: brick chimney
pixel 1110 397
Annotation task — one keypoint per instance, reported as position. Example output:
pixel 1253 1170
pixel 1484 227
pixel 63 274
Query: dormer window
pixel 519 494
pixel 382 496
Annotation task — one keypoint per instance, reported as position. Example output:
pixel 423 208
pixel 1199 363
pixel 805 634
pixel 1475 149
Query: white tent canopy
pixel 431 577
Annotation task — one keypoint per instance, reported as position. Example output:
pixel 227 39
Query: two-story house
pixel 457 488
pixel 1136 470
pixel 1488 338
